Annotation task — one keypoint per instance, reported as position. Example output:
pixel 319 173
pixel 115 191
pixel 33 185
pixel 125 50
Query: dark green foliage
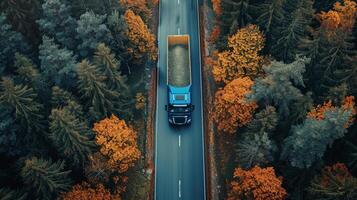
pixel 44 178
pixel 309 141
pixel 70 136
pixel 293 29
pixel 109 67
pixel 91 30
pixel 58 23
pixel 278 87
pixel 9 138
pixel 98 6
pixel 23 100
pixel 8 194
pixel 300 108
pixel 22 15
pixel 92 85
pixel 60 97
pixel 10 43
pixel 57 65
pixel 257 148
pixel 235 14
pixel 335 183
pixel 270 15
pixel 27 71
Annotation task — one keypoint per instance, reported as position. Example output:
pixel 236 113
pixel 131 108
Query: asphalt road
pixel 179 151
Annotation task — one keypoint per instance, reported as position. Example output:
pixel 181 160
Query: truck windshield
pixel 179 109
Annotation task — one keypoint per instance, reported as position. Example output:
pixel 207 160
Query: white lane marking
pixel 179 140
pixel 178 2
pixel 179 189
pixel 178 31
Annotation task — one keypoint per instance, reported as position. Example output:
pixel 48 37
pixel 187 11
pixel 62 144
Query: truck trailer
pixel 179 107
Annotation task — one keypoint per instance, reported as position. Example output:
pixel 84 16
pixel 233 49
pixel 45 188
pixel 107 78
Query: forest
pixel 284 74
pixel 73 98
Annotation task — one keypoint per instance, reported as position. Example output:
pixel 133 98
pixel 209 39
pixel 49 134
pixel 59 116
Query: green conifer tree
pixel 70 136
pixel 44 178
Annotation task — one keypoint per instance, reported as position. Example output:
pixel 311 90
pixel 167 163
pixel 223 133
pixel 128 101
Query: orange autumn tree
pixel 217 8
pixel 242 58
pixel 256 183
pixel 231 109
pixel 118 142
pixel 348 104
pixel 86 192
pixel 342 16
pixel 139 7
pixel 141 39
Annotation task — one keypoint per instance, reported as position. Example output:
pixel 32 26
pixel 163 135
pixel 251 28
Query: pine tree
pixel 60 97
pixel 26 69
pixel 70 136
pixel 308 141
pixel 236 14
pixel 278 87
pixel 10 43
pixel 57 65
pixel 57 23
pixel 293 30
pixel 23 100
pixel 9 194
pixel 109 67
pixel 91 30
pixel 93 88
pixel 270 16
pixel 10 140
pixel 45 178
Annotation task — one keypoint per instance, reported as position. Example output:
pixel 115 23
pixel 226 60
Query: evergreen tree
pixel 70 136
pixel 8 194
pixel 60 97
pixel 109 67
pixel 23 100
pixel 270 16
pixel 293 29
pixel 278 87
pixel 308 141
pixel 46 179
pixel 236 14
pixel 27 71
pixel 93 88
pixel 9 138
pixel 57 65
pixel 10 43
pixel 58 23
pixel 91 30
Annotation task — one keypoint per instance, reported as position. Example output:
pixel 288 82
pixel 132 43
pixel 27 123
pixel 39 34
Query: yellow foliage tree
pixel 117 141
pixel 139 7
pixel 142 40
pixel 256 183
pixel 231 110
pixel 86 192
pixel 341 17
pixel 242 58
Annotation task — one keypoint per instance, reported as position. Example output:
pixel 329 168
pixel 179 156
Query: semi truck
pixel 179 107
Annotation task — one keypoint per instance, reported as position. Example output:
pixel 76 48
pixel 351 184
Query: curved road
pixel 179 151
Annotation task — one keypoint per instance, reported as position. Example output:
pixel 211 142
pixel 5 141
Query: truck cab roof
pixel 180 95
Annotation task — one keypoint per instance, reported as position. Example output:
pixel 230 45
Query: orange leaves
pixel 231 110
pixel 256 183
pixel 243 58
pixel 142 40
pixel 140 101
pixel 138 6
pixel 348 104
pixel 216 31
pixel 84 191
pixel 338 170
pixel 342 16
pixel 217 8
pixel 118 142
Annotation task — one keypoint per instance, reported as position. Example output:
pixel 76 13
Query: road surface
pixel 179 151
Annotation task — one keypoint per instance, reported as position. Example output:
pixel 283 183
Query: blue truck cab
pixel 179 107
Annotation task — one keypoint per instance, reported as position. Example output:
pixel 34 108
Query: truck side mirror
pixel 166 107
